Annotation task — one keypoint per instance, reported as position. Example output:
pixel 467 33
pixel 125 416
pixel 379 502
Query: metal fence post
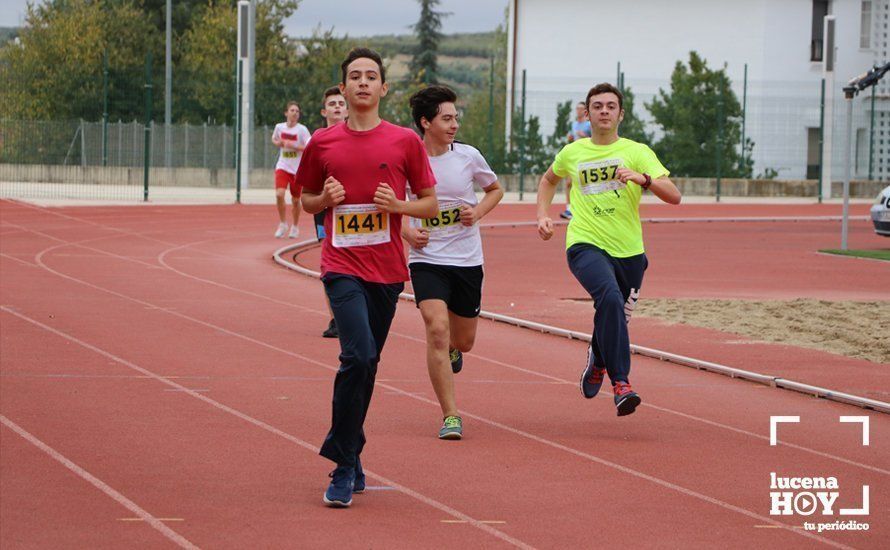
pixel 105 108
pixel 744 117
pixel 821 135
pixel 146 161
pixel 205 144
pixel 83 146
pixel 491 111
pixel 719 139
pixel 522 140
pixel 237 133
pixel 871 137
pixel 849 94
pixel 185 160
pixel 120 141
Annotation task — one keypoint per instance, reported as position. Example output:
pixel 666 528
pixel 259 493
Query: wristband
pixel 647 183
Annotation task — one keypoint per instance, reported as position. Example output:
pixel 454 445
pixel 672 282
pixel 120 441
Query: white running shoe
pixel 280 232
pixel 294 232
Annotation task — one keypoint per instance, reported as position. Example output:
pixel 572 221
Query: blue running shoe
pixel 591 377
pixel 339 493
pixel 567 215
pixel 457 360
pixel 359 486
pixel 626 400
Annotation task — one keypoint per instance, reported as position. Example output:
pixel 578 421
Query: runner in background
pixel 291 137
pixel 580 130
pixel 334 111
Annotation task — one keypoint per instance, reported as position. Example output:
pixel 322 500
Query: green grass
pixel 873 254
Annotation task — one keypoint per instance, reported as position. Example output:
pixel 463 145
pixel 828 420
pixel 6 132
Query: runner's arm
pixel 493 195
pixel 546 192
pixel 662 187
pixel 470 215
pixel 331 195
pixel 426 205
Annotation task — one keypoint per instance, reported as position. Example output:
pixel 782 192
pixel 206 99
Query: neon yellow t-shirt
pixel 606 212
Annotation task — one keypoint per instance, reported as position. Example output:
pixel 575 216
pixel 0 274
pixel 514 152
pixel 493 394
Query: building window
pixel 865 25
pixel 820 10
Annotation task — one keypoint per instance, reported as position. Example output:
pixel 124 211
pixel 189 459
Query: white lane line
pixel 655 480
pixel 156 523
pixel 647 404
pixel 269 428
pixel 161 260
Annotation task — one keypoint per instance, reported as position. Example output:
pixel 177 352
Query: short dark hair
pixel 425 103
pixel 358 53
pixel 289 103
pixel 604 88
pixel 333 90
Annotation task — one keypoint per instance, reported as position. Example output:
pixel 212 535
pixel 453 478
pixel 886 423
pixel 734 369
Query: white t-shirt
pixel 452 243
pixel 288 159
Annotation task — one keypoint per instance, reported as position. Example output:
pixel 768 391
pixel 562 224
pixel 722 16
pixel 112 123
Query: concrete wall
pixel 263 179
pixel 117 175
pixel 729 187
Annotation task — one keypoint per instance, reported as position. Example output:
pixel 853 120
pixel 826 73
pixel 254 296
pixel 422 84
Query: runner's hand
pixel 468 215
pixel 626 174
pixel 333 193
pixel 545 228
pixel 386 200
pixel 416 237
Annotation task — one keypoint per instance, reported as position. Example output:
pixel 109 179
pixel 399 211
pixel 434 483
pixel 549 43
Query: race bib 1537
pixel 599 177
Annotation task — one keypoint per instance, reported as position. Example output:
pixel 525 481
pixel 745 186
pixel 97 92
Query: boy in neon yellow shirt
pixel 604 241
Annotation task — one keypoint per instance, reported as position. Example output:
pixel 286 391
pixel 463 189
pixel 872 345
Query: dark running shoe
pixel 331 331
pixel 626 399
pixel 359 485
pixel 592 381
pixel 567 215
pixel 457 360
pixel 339 493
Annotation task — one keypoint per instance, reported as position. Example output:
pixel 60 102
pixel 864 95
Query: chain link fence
pixel 106 159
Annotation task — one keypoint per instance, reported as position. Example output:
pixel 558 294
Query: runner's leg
pixel 593 269
pixel 382 301
pixel 358 359
pixel 436 319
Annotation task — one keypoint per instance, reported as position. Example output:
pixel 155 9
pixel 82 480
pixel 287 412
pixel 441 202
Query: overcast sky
pixel 353 17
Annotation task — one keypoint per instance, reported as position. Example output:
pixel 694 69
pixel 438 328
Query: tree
pixel 562 128
pixel 55 69
pixel 701 118
pixel 207 81
pixel 428 29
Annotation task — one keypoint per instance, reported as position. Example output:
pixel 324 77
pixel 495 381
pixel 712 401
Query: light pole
pixel 856 85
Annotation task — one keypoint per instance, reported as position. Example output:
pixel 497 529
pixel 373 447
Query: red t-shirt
pixel 359 240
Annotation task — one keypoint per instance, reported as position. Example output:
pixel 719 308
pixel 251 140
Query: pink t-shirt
pixel 359 240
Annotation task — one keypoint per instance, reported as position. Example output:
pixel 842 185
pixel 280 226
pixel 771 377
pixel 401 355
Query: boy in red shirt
pixel 358 172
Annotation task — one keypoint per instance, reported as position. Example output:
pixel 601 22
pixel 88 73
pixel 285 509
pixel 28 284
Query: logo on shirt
pixel 597 211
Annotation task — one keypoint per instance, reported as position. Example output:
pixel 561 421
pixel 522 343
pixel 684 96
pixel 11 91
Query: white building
pixel 567 46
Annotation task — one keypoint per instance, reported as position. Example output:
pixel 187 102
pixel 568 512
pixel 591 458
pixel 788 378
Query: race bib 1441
pixel 599 177
pixel 359 225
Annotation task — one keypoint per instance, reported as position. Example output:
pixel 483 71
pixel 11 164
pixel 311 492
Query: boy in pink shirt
pixel 357 173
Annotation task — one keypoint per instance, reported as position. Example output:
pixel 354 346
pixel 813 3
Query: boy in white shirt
pixel 445 258
pixel 291 137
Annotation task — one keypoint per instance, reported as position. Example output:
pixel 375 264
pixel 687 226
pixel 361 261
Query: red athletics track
pixel 161 352
pixel 730 260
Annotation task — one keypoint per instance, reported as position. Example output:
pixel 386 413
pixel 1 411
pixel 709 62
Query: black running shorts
pixel 459 287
